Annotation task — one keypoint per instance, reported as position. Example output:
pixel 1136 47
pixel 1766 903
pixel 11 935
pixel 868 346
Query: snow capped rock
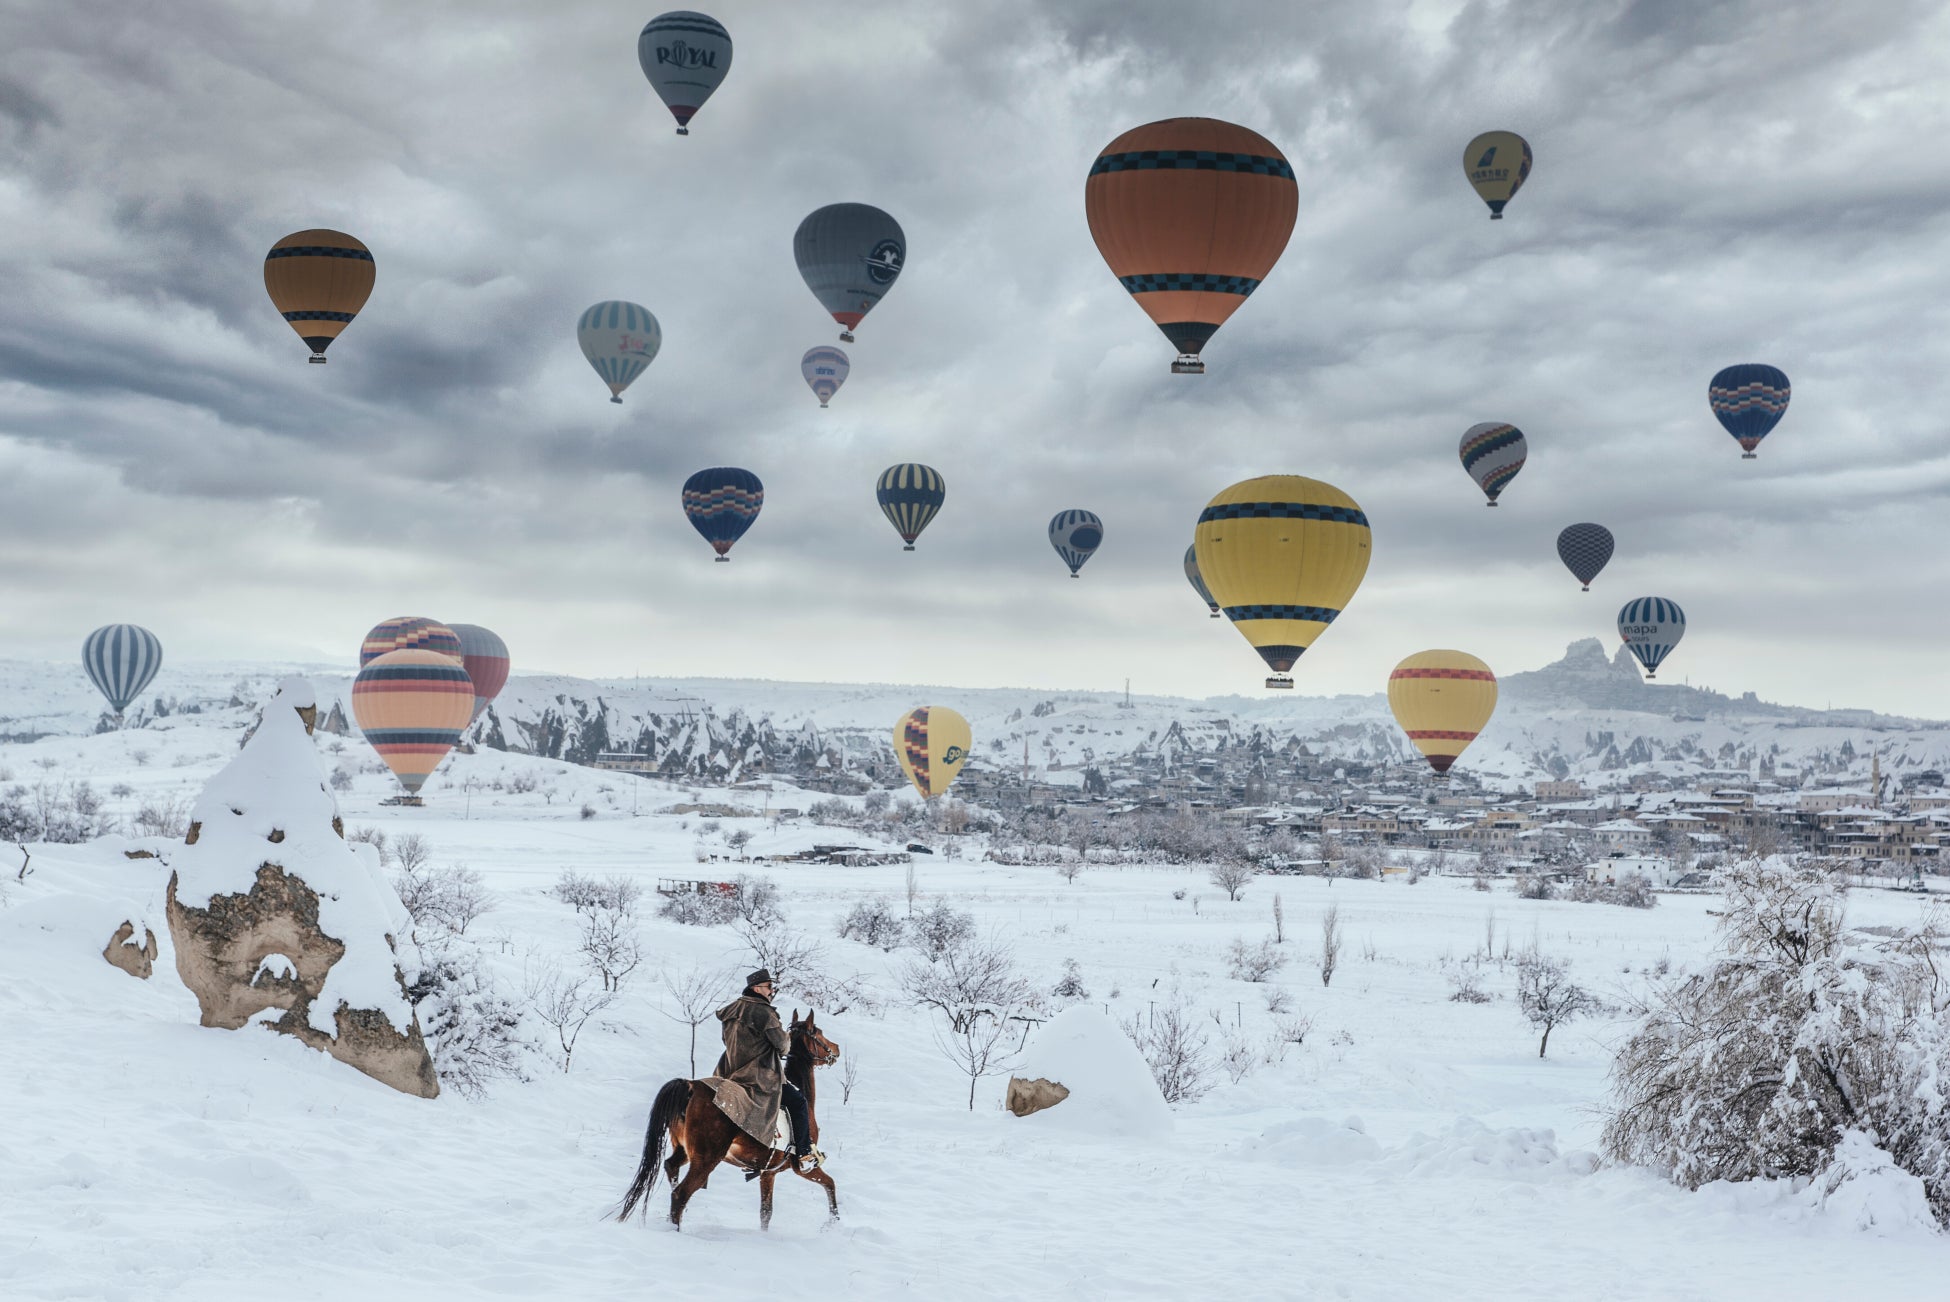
pixel 1110 1089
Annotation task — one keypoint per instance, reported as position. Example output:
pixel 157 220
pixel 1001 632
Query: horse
pixel 703 1136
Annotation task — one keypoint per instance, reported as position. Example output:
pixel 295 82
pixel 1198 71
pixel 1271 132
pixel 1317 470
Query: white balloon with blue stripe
pixel 1651 627
pixel 619 339
pixel 1076 535
pixel 121 660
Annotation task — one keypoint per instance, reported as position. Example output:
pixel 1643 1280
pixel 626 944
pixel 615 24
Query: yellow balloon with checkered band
pixel 1283 555
pixel 1442 699
pixel 931 743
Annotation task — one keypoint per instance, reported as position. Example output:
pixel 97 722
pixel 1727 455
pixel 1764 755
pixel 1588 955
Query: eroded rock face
pixel 271 909
pixel 1028 1096
pixel 138 959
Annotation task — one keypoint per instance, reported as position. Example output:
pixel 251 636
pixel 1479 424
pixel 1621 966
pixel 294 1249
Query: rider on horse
pixel 753 1041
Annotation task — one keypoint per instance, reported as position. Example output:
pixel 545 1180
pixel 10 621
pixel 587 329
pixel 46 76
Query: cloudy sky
pixel 1754 180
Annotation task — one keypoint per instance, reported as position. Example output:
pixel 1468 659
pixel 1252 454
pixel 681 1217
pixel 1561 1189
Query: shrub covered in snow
pixel 1174 1046
pixel 473 1027
pixel 873 922
pixel 1254 962
pixel 937 930
pixel 1758 1065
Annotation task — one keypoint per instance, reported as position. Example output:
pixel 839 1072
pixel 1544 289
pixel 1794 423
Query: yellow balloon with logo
pixel 1442 699
pixel 1497 164
pixel 1283 555
pixel 932 744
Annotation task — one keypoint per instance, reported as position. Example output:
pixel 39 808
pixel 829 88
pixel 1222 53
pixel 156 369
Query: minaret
pixel 1875 779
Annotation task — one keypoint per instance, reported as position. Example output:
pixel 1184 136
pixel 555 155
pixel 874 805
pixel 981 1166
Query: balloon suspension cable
pixel 1281 682
pixel 316 359
pixel 1188 364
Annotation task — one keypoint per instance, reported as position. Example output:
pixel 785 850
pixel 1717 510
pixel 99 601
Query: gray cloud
pixel 1715 183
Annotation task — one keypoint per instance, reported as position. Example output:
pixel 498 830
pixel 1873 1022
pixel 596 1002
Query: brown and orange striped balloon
pixel 412 705
pixel 319 279
pixel 1191 214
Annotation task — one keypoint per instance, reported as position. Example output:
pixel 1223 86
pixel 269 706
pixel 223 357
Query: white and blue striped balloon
pixel 121 659
pixel 619 339
pixel 1651 628
pixel 825 369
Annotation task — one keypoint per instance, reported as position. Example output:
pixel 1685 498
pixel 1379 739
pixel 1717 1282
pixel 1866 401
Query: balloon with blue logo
pixel 850 255
pixel 619 339
pixel 1076 535
pixel 1585 549
pixel 1749 400
pixel 825 369
pixel 721 503
pixel 121 659
pixel 1493 453
pixel 1651 627
pixel 686 56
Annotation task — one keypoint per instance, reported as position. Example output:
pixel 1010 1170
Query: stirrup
pixel 812 1157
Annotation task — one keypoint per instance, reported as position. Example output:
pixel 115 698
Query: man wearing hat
pixel 753 1041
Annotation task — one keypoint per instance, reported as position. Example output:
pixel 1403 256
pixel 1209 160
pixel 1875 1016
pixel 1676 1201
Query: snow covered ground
pixel 1411 1147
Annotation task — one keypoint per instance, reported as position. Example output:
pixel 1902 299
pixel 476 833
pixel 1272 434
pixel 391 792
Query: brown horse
pixel 704 1136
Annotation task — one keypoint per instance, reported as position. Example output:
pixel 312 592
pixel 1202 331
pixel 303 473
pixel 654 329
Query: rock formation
pixel 137 958
pixel 271 910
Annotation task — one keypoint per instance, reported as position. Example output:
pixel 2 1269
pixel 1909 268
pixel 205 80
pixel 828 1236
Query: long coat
pixel 753 1041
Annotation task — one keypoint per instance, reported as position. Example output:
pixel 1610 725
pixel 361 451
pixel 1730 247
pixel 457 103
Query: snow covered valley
pixel 1409 1145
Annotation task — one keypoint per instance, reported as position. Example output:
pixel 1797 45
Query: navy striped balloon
pixel 121 659
pixel 909 496
pixel 1651 628
pixel 1585 549
pixel 1076 535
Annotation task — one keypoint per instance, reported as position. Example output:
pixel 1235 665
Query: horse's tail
pixel 671 1101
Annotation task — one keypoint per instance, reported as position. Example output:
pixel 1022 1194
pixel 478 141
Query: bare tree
pixel 966 981
pixel 1253 962
pixel 1330 943
pixel 1231 876
pixel 565 1005
pixel 1489 933
pixel 1069 870
pixel 792 957
pixel 913 881
pixel 1279 920
pixel 410 852
pixel 1173 1043
pixel 695 993
pixel 611 946
pixel 978 1045
pixel 849 1076
pixel 1547 994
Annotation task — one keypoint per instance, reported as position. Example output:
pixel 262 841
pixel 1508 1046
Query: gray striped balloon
pixel 1076 535
pixel 1651 627
pixel 121 659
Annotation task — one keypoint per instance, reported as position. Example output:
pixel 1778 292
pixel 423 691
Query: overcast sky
pixel 1715 183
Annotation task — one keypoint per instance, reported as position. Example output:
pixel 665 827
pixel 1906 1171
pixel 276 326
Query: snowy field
pixel 1410 1147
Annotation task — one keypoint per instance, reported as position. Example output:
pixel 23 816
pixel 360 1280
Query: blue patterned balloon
pixel 1749 401
pixel 1585 549
pixel 722 502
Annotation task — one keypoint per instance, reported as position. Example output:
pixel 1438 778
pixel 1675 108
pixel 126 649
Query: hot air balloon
pixel 1497 163
pixel 849 254
pixel 685 55
pixel 619 339
pixel 411 705
pixel 722 502
pixel 931 743
pixel 485 658
pixel 410 633
pixel 909 496
pixel 121 659
pixel 319 279
pixel 1651 628
pixel 1283 555
pixel 1493 454
pixel 1749 400
pixel 825 369
pixel 1198 581
pixel 1076 535
pixel 1191 214
pixel 1442 699
pixel 1585 549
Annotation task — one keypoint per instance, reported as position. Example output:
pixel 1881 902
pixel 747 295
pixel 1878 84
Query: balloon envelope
pixel 1749 401
pixel 1442 699
pixel 1493 453
pixel 1198 581
pixel 1076 535
pixel 686 56
pixel 825 369
pixel 121 660
pixel 850 255
pixel 1497 164
pixel 1651 627
pixel 931 743
pixel 1283 555
pixel 411 705
pixel 485 658
pixel 619 339
pixel 410 633
pixel 1191 214
pixel 721 503
pixel 319 280
pixel 1585 549
pixel 909 496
